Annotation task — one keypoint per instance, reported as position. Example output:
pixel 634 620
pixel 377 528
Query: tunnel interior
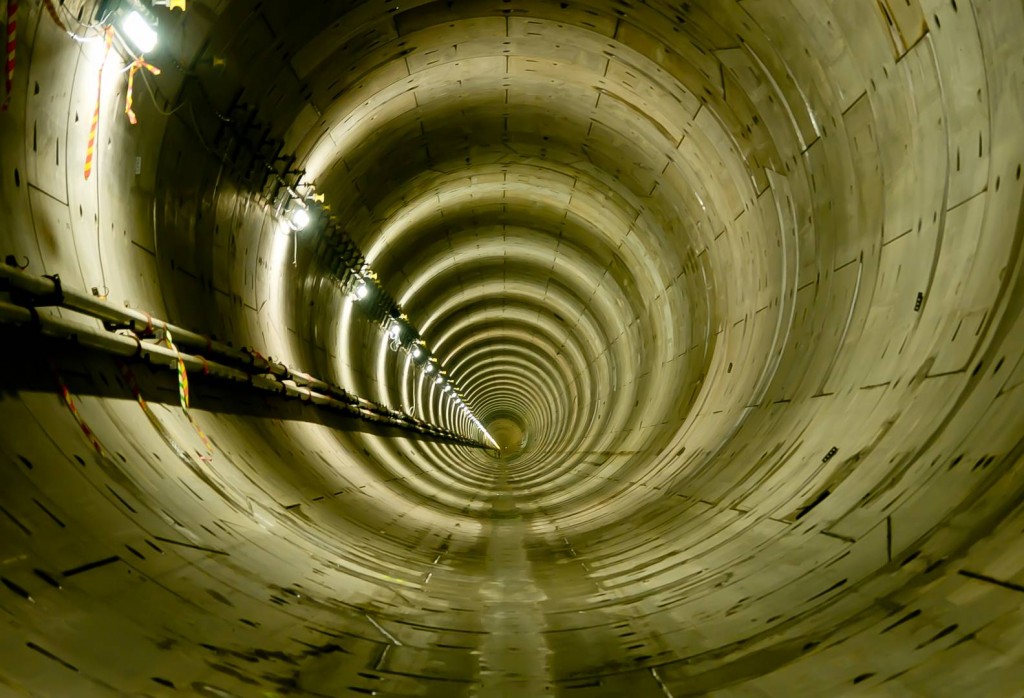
pixel 733 285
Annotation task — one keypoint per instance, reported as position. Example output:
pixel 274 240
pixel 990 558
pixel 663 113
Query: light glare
pixel 138 31
pixel 299 218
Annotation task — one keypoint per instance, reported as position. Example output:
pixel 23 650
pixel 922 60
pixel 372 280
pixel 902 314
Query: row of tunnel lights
pixel 421 357
pixel 298 217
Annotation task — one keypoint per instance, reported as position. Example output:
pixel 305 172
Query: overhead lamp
pixel 448 388
pixel 429 368
pixel 299 217
pixel 439 380
pixel 362 290
pixel 139 32
pixel 396 329
pixel 416 352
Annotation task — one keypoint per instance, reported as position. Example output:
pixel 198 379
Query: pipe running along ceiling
pixel 735 286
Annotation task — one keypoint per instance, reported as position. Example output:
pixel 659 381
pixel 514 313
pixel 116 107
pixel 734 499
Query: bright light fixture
pixel 429 368
pixel 139 32
pixel 416 352
pixel 396 329
pixel 299 218
pixel 439 380
pixel 362 290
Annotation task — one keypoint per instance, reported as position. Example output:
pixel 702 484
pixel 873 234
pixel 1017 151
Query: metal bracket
pixel 55 297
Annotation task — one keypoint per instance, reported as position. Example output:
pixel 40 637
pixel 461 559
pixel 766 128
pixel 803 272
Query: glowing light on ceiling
pixel 139 32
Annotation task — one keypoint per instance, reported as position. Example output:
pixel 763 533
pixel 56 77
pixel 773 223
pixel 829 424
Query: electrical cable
pixel 152 94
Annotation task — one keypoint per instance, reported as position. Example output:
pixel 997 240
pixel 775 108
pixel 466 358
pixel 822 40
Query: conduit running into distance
pixel 736 285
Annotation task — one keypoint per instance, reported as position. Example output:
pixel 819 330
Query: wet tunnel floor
pixel 524 576
pixel 514 654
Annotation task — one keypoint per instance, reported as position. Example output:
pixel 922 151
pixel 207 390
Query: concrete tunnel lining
pixel 747 272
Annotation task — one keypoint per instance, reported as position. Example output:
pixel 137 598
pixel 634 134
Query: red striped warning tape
pixel 90 148
pixel 69 402
pixel 136 64
pixel 12 43
pixel 133 384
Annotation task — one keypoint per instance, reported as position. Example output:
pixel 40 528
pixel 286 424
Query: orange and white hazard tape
pixel 133 384
pixel 136 64
pixel 12 44
pixel 69 402
pixel 90 148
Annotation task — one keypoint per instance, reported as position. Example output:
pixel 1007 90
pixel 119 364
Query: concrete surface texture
pixel 737 282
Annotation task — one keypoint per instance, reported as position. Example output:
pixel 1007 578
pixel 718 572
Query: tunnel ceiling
pixel 735 285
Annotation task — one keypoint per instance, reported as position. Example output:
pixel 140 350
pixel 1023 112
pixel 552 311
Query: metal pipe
pixel 51 291
pixel 56 293
pixel 133 347
pixel 117 344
